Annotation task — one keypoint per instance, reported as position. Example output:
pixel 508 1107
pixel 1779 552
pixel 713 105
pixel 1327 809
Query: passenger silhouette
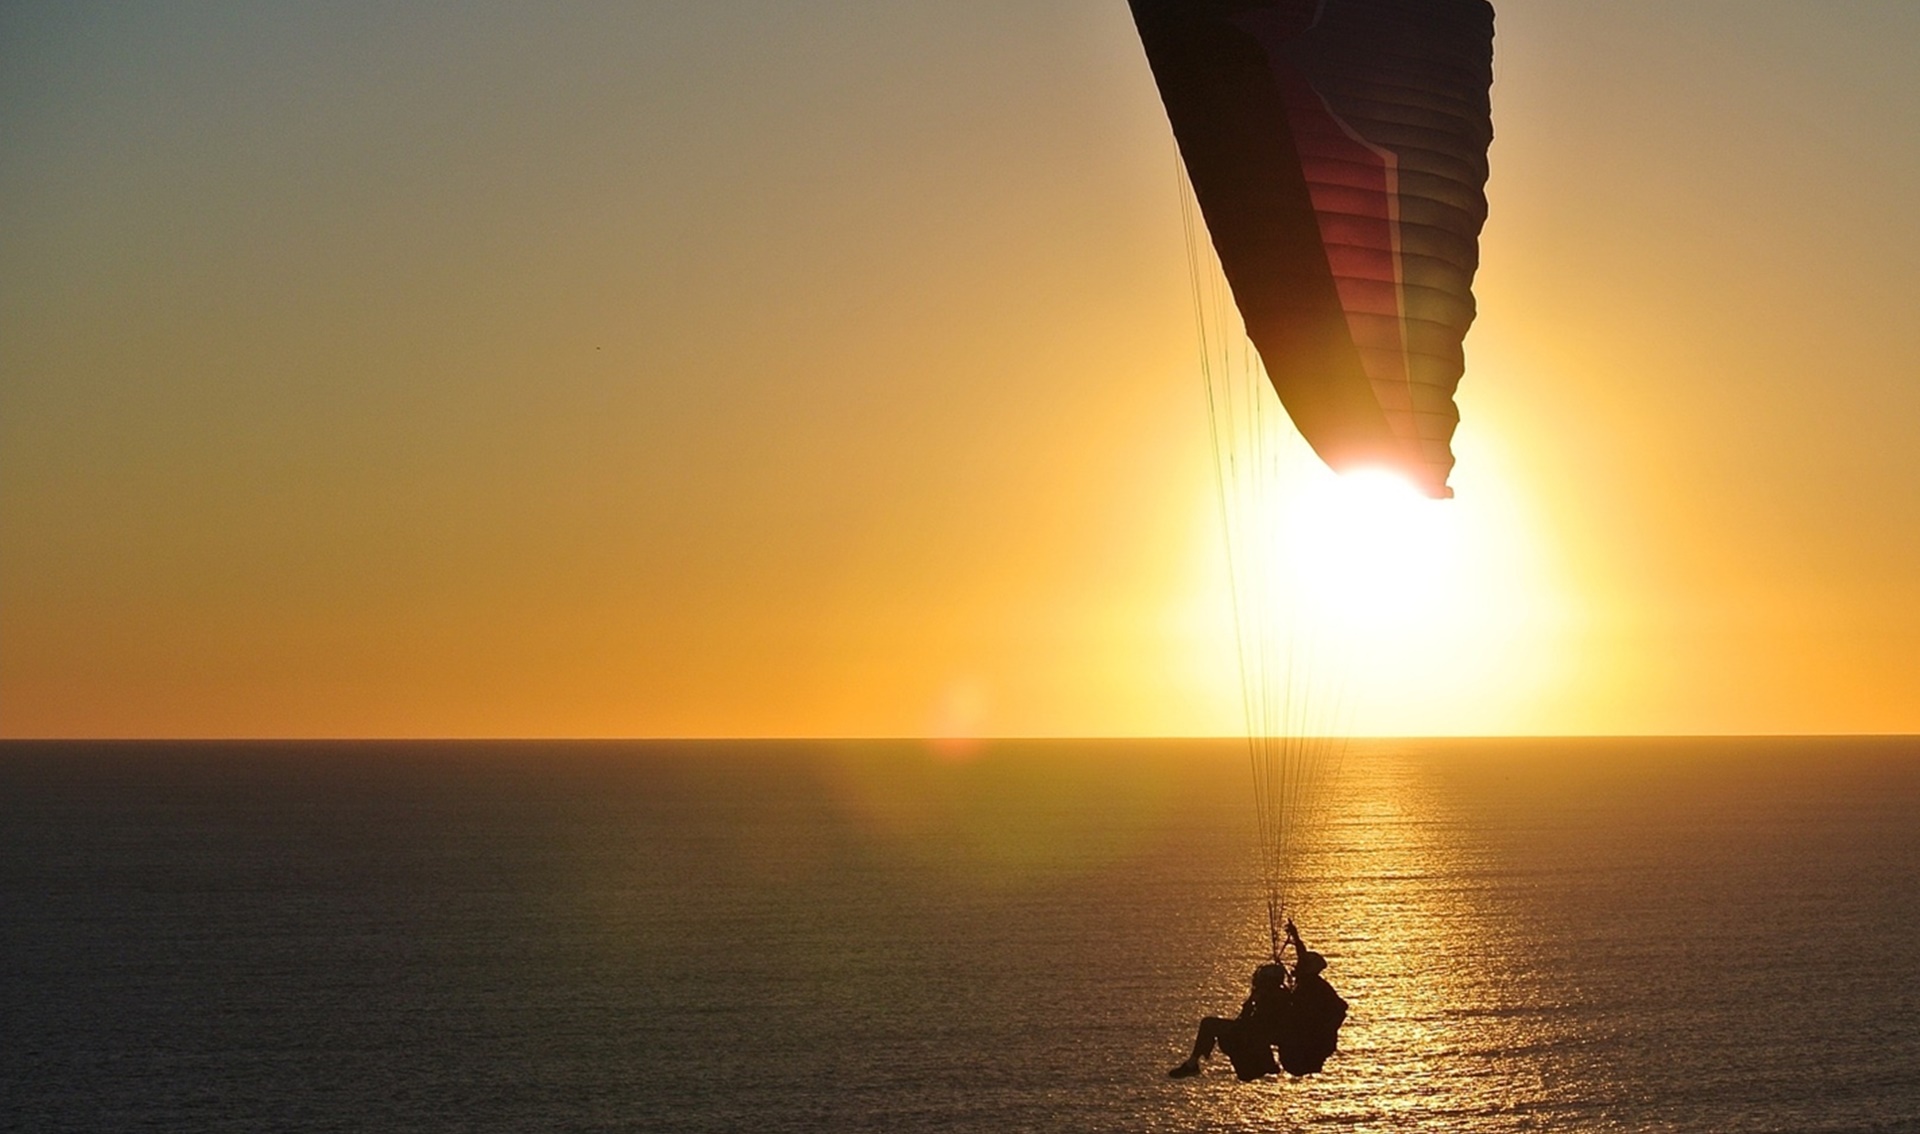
pixel 1249 1038
pixel 1310 1030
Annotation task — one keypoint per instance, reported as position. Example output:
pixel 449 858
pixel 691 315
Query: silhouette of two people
pixel 1294 1012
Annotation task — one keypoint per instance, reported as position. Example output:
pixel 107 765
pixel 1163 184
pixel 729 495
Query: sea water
pixel 1714 935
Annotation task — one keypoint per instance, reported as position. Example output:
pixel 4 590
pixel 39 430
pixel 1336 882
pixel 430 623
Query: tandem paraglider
pixel 1293 1012
pixel 1333 169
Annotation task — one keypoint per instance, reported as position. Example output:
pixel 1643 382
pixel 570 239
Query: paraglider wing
pixel 1338 151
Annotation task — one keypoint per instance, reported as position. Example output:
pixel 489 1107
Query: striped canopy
pixel 1338 151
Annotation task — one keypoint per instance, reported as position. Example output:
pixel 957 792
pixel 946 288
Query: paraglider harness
pixel 1249 1042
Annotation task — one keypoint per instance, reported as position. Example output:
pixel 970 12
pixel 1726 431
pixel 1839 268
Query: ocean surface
pixel 1710 935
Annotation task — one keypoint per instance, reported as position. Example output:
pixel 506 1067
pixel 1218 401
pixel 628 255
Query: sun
pixel 1367 553
pixel 1407 614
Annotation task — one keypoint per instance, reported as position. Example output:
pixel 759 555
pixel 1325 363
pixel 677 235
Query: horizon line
pixel 942 740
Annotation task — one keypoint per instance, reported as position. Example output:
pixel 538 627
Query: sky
pixel 748 368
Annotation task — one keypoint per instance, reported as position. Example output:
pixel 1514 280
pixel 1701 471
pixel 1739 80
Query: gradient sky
pixel 757 368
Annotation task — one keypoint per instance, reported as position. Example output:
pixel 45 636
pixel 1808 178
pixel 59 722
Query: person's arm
pixel 1293 935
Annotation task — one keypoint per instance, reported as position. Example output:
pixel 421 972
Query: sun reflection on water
pixel 1446 1028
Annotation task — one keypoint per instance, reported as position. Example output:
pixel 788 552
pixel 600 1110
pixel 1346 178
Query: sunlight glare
pixel 1369 552
pixel 1418 611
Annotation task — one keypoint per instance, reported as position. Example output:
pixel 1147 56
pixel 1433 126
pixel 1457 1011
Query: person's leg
pixel 1203 1045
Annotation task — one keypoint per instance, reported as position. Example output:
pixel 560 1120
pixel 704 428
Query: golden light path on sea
pixel 1448 1018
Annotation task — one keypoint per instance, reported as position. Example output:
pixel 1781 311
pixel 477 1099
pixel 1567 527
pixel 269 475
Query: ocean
pixel 1605 935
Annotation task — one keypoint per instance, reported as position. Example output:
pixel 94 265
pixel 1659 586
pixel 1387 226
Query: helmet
pixel 1269 977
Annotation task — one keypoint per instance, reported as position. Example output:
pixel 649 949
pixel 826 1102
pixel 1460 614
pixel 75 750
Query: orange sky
pixel 757 369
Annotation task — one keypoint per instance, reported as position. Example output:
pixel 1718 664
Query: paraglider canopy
pixel 1337 149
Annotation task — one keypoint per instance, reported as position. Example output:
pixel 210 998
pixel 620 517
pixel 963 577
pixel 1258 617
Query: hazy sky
pixel 762 368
